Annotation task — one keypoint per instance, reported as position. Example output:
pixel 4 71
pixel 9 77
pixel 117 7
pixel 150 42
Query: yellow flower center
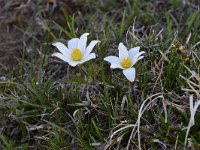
pixel 76 54
pixel 126 62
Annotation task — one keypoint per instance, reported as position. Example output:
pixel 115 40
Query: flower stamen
pixel 126 63
pixel 76 54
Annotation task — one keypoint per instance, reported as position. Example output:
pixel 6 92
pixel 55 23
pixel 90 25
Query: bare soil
pixel 18 17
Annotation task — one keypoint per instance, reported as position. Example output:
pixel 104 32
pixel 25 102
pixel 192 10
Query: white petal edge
pixel 115 66
pixel 61 56
pixel 73 43
pixel 141 57
pixel 66 59
pixel 74 63
pixel 136 57
pixel 87 58
pixel 62 48
pixel 133 51
pixel 129 74
pixel 82 42
pixel 112 59
pixel 123 52
pixel 90 47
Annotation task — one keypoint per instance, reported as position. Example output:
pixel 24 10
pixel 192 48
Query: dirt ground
pixel 21 20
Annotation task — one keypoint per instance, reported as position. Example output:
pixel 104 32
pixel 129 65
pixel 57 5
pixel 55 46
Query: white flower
pixel 76 52
pixel 126 60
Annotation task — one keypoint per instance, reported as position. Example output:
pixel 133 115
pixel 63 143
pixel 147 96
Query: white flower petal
pixel 73 43
pixel 137 57
pixel 123 53
pixel 112 59
pixel 82 42
pixel 129 74
pixel 133 51
pixel 115 66
pixel 141 57
pixel 61 56
pixel 88 57
pixel 62 48
pixel 74 63
pixel 90 47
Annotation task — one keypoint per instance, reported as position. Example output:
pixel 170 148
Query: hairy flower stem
pixel 133 89
pixel 83 70
pixel 133 94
